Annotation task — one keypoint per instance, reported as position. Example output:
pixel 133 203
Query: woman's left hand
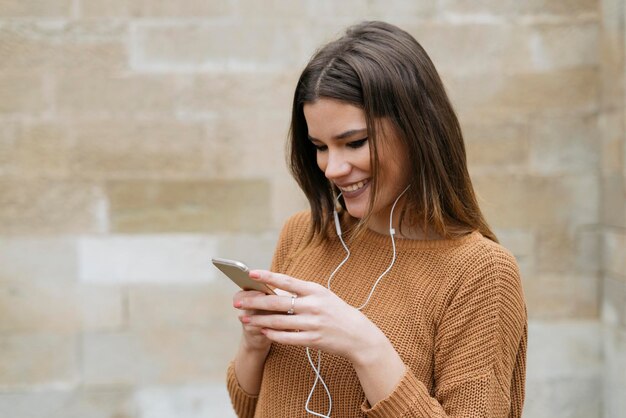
pixel 322 319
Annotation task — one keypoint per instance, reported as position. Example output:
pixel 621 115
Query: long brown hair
pixel 383 70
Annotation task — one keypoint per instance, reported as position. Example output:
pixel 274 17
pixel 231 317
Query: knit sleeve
pixel 292 232
pixel 480 351
pixel 243 403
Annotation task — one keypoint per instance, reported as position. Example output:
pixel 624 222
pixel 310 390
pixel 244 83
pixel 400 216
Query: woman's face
pixel 339 132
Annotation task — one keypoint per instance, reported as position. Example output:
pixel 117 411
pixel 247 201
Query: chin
pixel 356 211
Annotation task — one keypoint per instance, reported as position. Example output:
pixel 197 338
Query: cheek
pixel 364 161
pixel 322 160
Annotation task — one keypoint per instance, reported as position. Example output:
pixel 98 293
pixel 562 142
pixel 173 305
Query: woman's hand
pixel 321 318
pixel 253 338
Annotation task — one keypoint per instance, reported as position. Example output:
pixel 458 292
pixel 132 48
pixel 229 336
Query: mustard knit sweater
pixel 453 309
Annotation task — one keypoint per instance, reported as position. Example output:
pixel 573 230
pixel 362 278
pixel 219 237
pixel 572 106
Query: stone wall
pixel 613 216
pixel 140 138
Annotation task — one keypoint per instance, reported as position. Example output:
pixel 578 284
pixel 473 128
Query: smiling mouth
pixel 354 187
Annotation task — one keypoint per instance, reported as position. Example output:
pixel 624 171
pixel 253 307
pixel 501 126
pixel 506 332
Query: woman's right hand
pixel 254 346
pixel 253 339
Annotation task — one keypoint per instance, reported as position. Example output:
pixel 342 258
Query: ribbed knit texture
pixel 453 309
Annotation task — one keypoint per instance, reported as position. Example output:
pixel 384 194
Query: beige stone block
pixel 504 8
pixel 249 145
pixel 613 83
pixel 520 201
pixel 554 92
pixel 189 401
pixel 121 149
pixel 77 403
pixel 32 308
pixel 234 93
pixel 364 9
pixel 588 249
pixel 573 90
pixel 564 369
pixel 154 258
pixel 566 45
pixel 20 51
pixel 33 404
pixel 156 8
pixel 189 206
pixel 180 45
pixel 39 150
pixel 276 9
pixel 101 308
pixel 562 249
pixel 158 356
pixel 287 199
pixel 563 397
pixel 614 383
pixel 552 296
pixel 614 301
pixel 615 252
pixel 220 45
pixel 38 360
pixel 58 308
pixel 23 94
pixel 496 146
pixel 47 206
pixel 118 95
pixel 504 49
pixel 612 15
pixel 564 349
pixel 614 201
pixel 113 359
pixel 398 9
pixel 7 148
pixel 36 46
pixel 193 356
pixel 175 307
pixel 613 145
pixel 561 145
pixel 571 8
pixel 36 8
pixel 469 92
pixel 38 259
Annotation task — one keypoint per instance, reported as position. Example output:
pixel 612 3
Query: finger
pixel 277 322
pixel 272 303
pixel 304 338
pixel 285 282
pixel 243 294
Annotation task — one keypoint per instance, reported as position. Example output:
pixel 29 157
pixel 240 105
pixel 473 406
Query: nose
pixel 337 165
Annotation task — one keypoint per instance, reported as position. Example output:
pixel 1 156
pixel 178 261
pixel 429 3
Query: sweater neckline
pixel 378 239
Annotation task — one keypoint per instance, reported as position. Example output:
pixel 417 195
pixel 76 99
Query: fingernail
pixel 245 319
pixel 255 274
pixel 238 304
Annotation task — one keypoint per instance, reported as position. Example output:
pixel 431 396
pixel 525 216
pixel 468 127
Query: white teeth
pixel 353 187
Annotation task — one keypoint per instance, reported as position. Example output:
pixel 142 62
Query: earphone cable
pixel 318 376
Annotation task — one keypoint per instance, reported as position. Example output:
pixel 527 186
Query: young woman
pixel 402 304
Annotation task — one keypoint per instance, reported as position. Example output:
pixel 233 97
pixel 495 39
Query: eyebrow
pixel 343 135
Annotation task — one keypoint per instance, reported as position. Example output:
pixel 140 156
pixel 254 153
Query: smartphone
pixel 238 273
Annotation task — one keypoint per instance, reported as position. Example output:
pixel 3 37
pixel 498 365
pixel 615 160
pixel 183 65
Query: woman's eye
pixel 320 147
pixel 357 144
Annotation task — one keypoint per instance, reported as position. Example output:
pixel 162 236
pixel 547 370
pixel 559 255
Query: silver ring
pixel 293 305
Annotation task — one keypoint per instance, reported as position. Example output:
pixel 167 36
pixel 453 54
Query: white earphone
pixel 318 376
